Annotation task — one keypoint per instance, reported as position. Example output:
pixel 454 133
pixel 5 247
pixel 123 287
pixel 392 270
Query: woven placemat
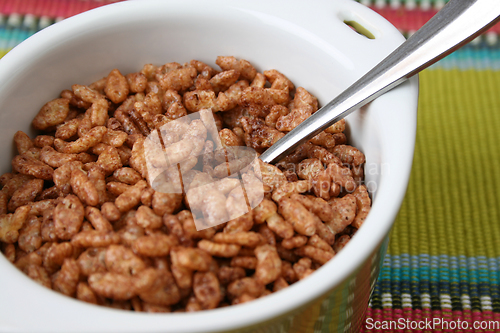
pixel 444 253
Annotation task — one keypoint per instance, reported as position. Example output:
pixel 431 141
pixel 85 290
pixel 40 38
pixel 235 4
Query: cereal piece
pixel 325 232
pixel 92 261
pixel 258 135
pixel 344 212
pixel 54 158
pixel 119 259
pixel 241 223
pixel 203 69
pixel 109 160
pixel 23 142
pixel 341 242
pixel 268 264
pixel 191 258
pixel 155 245
pixel 98 221
pixel 137 82
pixel 267 234
pixel 175 228
pixel 94 238
pixel 4 200
pixel 223 80
pixel 249 238
pixel 68 217
pixel 219 250
pixel 247 262
pixel 206 288
pixel 84 188
pixel 258 100
pixel 33 167
pixel 301 219
pixel 86 93
pixel 315 205
pixel 48 230
pixel 95 175
pixel 271 175
pixel 287 189
pixel 342 176
pixel 144 279
pixel 302 268
pixel 275 113
pixel 26 194
pixel 242 299
pixel 338 127
pixel 294 242
pixel 74 101
pixel 179 79
pixel 166 203
pixel 200 99
pixel 291 176
pixel 227 274
pixel 230 98
pixel 146 218
pixel 323 139
pixel 229 138
pixel 288 122
pixel 247 71
pixel 117 188
pixel 258 81
pixel 116 88
pixel 363 203
pixel 11 223
pixel 279 284
pixel 127 175
pixel 66 280
pixel 112 285
pixel 114 138
pixel 30 238
pixel 349 155
pixel 314 253
pixel 246 285
pixel 182 275
pixel 98 113
pixel 110 212
pixel 62 176
pixel 131 197
pixel 278 80
pixel 163 292
pixel 41 141
pixel 55 255
pixel 318 242
pixel 88 140
pixel 38 274
pixel 84 293
pixel 128 125
pixel 322 154
pixel 51 114
pixel 30 259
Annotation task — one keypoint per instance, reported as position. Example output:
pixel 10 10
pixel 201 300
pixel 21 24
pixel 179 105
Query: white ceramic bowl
pixel 309 42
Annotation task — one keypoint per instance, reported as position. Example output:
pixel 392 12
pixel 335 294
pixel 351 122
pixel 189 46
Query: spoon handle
pixel 454 25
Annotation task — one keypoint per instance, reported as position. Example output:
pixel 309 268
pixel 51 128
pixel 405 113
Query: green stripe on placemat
pixel 452 203
pixel 444 252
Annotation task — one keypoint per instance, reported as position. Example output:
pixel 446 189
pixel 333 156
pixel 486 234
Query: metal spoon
pixel 455 24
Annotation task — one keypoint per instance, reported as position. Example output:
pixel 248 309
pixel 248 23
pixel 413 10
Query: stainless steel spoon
pixel 455 24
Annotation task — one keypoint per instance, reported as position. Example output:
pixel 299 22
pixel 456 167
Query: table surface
pixel 444 253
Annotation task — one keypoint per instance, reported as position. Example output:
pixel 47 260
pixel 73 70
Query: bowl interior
pixel 312 46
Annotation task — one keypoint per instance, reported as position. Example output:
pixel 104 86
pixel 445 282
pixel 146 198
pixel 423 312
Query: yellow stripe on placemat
pixel 453 199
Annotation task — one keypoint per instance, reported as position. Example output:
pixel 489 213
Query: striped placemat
pixel 444 254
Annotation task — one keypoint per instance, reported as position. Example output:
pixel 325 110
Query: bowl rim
pixel 298 294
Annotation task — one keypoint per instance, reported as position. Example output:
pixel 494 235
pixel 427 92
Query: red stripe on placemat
pixel 50 8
